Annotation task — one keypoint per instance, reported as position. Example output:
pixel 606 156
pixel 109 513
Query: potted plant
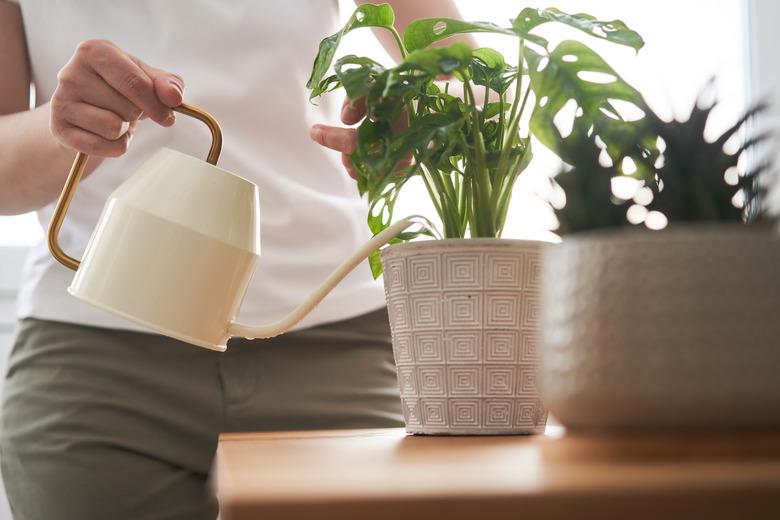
pixel 674 328
pixel 464 309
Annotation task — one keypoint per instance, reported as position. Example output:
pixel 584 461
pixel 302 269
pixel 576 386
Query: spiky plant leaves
pixel 693 176
pixel 690 183
pixel 588 188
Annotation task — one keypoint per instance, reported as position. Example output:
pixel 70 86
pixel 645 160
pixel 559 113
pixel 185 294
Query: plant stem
pixel 518 83
pixel 399 41
pixel 522 105
pixel 504 164
pixel 449 201
pixel 485 212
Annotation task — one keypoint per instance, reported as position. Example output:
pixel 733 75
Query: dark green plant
pixel 696 179
pixel 590 203
pixel 693 179
pixel 469 152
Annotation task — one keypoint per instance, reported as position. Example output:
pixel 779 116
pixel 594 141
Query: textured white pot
pixel 464 318
pixel 672 329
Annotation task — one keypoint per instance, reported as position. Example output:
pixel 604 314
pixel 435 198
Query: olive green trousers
pixel 107 424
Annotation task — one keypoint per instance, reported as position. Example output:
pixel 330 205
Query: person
pixel 102 418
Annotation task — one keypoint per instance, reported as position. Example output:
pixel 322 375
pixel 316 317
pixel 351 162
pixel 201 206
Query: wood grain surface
pixel 381 474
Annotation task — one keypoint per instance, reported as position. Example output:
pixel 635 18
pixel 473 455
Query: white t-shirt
pixel 246 62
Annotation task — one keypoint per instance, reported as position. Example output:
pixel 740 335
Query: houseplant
pixel 672 328
pixel 463 310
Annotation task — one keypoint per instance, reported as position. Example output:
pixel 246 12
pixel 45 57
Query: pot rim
pixel 676 231
pixel 475 243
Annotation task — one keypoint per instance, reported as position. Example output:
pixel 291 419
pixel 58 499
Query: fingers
pixel 126 77
pixel 103 123
pixel 92 90
pixel 168 87
pixel 93 144
pixel 403 164
pixel 101 94
pixel 343 140
pixel 352 112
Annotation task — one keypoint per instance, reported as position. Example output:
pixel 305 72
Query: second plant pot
pixel 667 330
pixel 464 318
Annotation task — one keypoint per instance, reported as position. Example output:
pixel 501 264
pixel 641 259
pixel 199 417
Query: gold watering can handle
pixel 80 163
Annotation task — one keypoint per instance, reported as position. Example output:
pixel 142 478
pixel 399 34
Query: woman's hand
pixel 101 94
pixel 343 140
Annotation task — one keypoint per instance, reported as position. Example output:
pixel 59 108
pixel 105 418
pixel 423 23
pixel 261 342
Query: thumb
pixel 168 87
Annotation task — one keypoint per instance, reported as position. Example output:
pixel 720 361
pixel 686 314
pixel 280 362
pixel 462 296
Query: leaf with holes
pixel 614 31
pixel 421 33
pixel 366 15
pixel 574 72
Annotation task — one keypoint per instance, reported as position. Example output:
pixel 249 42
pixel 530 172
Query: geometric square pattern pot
pixel 464 316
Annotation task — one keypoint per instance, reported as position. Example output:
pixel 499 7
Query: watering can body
pixel 174 249
pixel 176 246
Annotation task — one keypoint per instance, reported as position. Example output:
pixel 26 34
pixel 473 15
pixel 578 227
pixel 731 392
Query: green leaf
pixel 366 15
pixel 375 262
pixel 489 69
pixel 492 109
pixel 379 151
pixel 380 213
pixel 421 33
pixel 357 75
pixel 614 31
pixel 492 59
pixel 563 76
pixel 441 61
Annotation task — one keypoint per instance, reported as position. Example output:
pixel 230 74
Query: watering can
pixel 176 245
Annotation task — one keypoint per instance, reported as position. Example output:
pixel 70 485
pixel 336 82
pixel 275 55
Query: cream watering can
pixel 176 245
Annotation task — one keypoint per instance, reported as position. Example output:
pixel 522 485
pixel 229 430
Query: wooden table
pixel 384 474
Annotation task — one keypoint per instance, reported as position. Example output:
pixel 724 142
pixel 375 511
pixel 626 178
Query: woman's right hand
pixel 101 94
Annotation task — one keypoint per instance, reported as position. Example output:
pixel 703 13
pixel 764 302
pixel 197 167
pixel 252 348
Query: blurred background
pixel 687 43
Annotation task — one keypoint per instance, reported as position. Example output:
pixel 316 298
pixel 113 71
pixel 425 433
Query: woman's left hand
pixel 341 139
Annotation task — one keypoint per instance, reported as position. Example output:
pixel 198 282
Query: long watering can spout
pixel 289 321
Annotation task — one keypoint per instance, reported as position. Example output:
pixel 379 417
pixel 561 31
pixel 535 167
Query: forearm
pixel 33 165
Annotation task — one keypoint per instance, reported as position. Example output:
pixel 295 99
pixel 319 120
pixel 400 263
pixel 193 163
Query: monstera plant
pixel 469 150
pixel 464 309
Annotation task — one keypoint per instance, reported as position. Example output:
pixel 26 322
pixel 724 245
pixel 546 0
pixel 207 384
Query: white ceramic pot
pixel 656 330
pixel 464 319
